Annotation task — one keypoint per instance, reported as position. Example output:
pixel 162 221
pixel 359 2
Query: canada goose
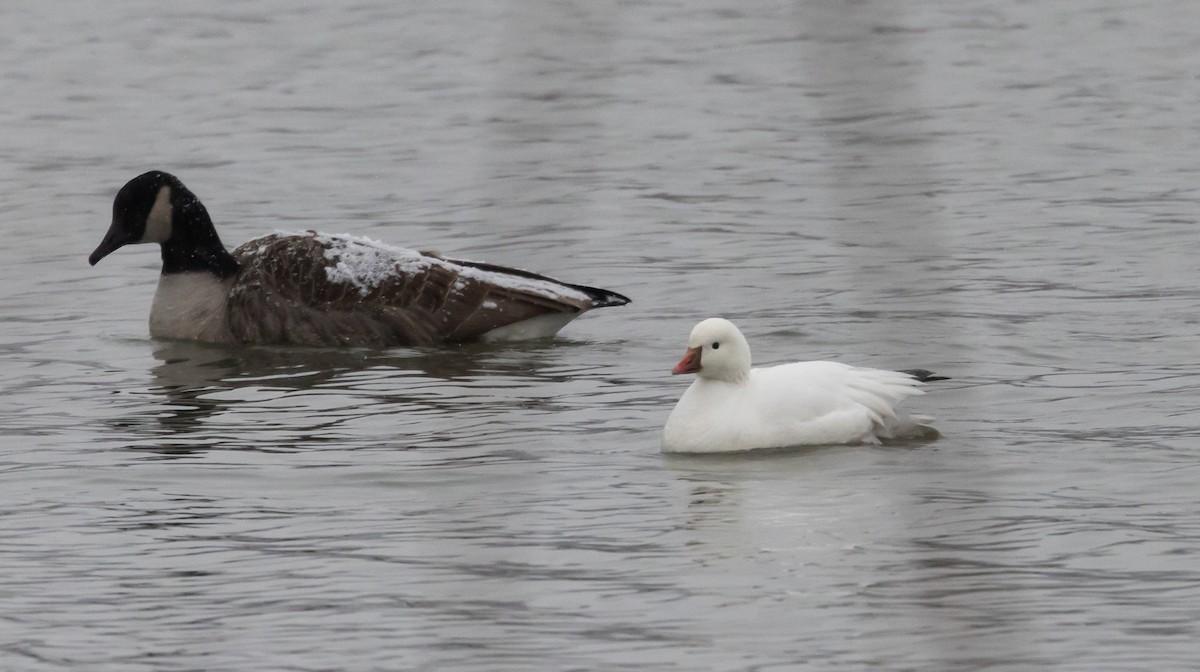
pixel 732 407
pixel 326 290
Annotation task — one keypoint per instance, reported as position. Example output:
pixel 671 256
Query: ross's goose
pixel 731 407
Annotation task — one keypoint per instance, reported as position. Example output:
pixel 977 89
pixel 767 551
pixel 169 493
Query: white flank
pixel 542 326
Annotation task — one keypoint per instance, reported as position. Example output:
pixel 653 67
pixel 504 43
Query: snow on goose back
pixel 731 407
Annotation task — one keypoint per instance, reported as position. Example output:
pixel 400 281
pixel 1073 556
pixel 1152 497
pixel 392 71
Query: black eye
pixel 716 345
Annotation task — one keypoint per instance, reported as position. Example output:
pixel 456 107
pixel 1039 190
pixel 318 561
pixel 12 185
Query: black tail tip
pixel 924 375
pixel 602 298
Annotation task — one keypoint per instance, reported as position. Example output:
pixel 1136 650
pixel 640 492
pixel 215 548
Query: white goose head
pixel 155 207
pixel 716 351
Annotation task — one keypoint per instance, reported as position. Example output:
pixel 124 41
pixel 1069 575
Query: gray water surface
pixel 1004 192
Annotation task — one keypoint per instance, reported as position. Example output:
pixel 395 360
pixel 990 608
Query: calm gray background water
pixel 1006 192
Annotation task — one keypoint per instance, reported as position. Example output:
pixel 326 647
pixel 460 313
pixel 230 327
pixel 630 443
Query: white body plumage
pixel 732 407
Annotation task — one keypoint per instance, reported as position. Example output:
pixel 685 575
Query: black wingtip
pixel 924 375
pixel 602 298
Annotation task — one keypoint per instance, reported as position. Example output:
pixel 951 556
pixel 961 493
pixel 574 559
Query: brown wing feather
pixel 285 293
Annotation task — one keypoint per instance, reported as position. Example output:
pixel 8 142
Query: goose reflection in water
pixel 279 399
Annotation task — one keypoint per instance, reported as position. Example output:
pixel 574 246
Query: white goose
pixel 326 290
pixel 732 407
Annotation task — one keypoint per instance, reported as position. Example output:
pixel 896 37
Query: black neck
pixel 194 244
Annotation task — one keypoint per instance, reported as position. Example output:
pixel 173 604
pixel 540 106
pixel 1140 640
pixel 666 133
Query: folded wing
pixel 315 289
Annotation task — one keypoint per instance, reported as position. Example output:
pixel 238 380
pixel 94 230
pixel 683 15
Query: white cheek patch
pixel 158 223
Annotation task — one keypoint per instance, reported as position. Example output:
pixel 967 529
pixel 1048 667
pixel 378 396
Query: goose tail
pixel 924 375
pixel 601 298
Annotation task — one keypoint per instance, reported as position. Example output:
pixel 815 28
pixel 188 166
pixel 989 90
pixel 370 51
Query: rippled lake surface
pixel 1004 192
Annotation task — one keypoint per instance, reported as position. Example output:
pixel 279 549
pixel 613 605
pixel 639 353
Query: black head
pixel 155 207
pixel 132 210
